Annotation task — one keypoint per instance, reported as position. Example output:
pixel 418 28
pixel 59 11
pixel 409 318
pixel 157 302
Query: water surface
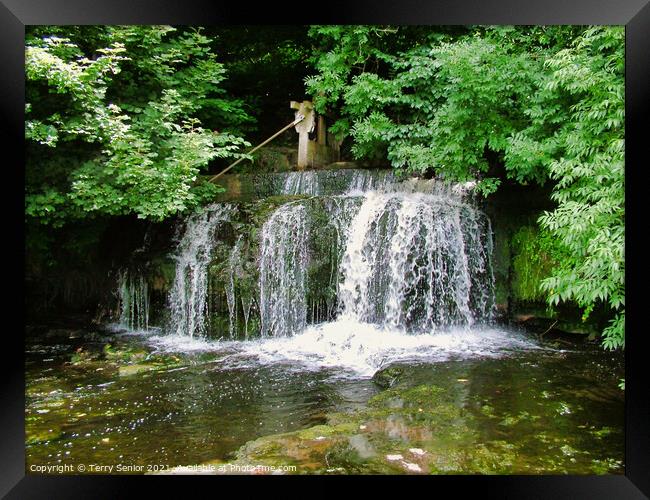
pixel 558 405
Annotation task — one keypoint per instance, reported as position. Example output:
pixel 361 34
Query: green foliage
pixel 437 106
pixel 588 167
pixel 526 103
pixel 112 123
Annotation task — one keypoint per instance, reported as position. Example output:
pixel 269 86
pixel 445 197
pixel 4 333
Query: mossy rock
pixel 396 423
pixel 83 356
pixel 260 211
pixel 124 354
pixel 416 430
pixel 128 370
pixel 388 377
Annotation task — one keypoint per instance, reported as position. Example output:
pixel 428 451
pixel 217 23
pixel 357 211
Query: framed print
pixel 386 241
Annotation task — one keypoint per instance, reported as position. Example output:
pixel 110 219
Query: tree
pixel 112 121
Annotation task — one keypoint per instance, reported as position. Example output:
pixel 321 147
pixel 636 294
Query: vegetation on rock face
pixel 529 104
pixel 533 261
pixel 237 273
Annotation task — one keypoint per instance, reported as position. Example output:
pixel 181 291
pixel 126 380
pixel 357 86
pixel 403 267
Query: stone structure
pixel 316 148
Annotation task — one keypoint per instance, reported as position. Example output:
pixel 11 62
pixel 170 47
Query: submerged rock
pixel 378 440
pixel 388 377
pixel 125 371
pixel 428 432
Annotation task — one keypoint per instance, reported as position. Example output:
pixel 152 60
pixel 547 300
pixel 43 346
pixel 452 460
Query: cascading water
pixel 335 182
pixel 414 257
pixel 189 290
pixel 417 261
pixel 283 270
pixel 362 181
pixel 366 263
pixel 134 301
pixel 234 262
pixel 410 256
pixel 302 183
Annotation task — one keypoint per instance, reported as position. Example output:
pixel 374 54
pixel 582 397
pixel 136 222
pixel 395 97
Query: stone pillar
pixel 304 128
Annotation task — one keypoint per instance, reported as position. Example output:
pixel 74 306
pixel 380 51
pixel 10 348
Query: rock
pixel 417 451
pixel 388 377
pixel 412 467
pixel 127 370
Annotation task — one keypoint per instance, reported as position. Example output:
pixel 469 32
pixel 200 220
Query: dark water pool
pixel 558 408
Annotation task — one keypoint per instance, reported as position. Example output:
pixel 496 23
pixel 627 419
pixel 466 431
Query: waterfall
pixel 189 290
pixel 409 256
pixel 341 210
pixel 246 303
pixel 134 301
pixel 362 181
pixel 333 182
pixel 364 271
pixel 283 269
pixel 302 183
pixel 417 261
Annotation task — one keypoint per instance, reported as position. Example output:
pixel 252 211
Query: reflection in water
pixel 554 407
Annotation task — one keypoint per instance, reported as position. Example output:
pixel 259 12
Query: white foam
pixel 359 349
pixel 184 343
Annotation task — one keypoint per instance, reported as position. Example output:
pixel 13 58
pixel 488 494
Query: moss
pixel 128 370
pixel 83 356
pixel 396 423
pixel 244 232
pixel 150 363
pixel 124 354
pixel 497 457
pixel 421 396
pixel 261 210
pixel 161 274
pixel 244 276
pixel 321 272
pixel 419 430
pixel 532 262
pixel 269 159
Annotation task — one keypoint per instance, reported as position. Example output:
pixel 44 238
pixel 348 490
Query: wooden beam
pixel 292 124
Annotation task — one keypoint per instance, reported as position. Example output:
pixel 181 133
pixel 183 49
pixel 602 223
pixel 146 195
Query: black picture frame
pixel 634 14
